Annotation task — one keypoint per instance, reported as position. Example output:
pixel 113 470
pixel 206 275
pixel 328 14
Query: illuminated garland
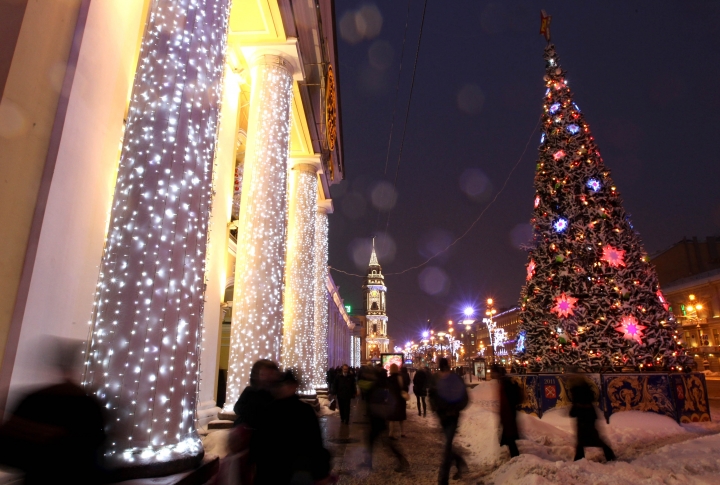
pixel 143 359
pixel 321 298
pixel 298 347
pixel 256 330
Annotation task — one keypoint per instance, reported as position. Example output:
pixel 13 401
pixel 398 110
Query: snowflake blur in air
pixel 613 256
pixel 574 129
pixel 564 305
pixel 631 329
pixel 530 270
pixel 554 107
pixel 594 185
pixel 560 225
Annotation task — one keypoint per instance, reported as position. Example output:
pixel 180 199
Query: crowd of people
pixel 276 438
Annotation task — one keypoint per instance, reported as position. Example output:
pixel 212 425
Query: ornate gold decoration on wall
pixel 331 110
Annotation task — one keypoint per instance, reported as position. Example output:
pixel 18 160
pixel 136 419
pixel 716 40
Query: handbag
pixel 403 393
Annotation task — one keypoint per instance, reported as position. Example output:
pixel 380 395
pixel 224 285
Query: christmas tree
pixel 591 297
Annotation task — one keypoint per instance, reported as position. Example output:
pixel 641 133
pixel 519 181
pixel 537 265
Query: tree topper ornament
pixel 564 305
pixel 631 329
pixel 614 257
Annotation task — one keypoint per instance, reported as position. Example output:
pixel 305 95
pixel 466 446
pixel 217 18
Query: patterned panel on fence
pixel 638 392
pixel 691 399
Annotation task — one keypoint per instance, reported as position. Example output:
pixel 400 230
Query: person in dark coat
pixel 56 434
pixel 290 444
pixel 379 408
pixel 345 390
pixel 396 388
pixel 583 410
pixel 510 397
pixel 448 397
pixel 420 384
pixel 250 410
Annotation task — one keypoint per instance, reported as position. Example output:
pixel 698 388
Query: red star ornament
pixel 631 328
pixel 530 270
pixel 614 257
pixel 564 305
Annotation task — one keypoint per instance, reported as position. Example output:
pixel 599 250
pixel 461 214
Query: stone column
pixel 320 365
pixel 256 331
pixel 143 355
pixel 298 348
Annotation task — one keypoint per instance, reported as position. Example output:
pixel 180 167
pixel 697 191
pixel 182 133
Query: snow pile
pixel 659 449
pixel 216 442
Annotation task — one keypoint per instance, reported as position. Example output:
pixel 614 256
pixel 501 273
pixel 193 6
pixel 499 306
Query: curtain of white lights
pixel 143 359
pixel 298 348
pixel 257 322
pixel 321 299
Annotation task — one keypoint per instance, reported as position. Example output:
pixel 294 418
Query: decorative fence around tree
pixel 682 397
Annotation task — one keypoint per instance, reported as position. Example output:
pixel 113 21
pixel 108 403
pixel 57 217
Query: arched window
pixel 374 306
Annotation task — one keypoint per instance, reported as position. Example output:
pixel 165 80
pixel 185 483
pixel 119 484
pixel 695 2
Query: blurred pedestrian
pixel 380 406
pixel 290 446
pixel 56 434
pixel 251 409
pixel 399 398
pixel 420 383
pixel 583 410
pixel 510 397
pixel 448 397
pixel 344 390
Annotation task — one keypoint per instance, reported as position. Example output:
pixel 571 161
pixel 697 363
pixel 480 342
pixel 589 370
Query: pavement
pixel 422 447
pixel 713 387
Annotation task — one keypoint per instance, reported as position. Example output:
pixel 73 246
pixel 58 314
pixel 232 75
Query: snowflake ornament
pixel 631 328
pixel 560 225
pixel 614 257
pixel 564 305
pixel 530 270
pixel 662 299
pixel 554 107
pixel 573 129
pixel 594 185
pixel 537 201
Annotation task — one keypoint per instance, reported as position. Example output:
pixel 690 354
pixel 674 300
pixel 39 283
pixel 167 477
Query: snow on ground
pixel 651 448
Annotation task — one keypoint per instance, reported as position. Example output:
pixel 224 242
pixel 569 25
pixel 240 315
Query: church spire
pixel 373 256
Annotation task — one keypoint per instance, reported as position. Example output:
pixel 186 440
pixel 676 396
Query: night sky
pixel 646 75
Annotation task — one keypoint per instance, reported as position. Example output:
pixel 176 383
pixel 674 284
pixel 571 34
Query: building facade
pixel 166 167
pixel 689 274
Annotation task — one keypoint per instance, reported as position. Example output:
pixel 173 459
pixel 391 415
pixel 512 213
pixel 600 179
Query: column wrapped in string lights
pixel 298 349
pixel 143 356
pixel 320 365
pixel 257 322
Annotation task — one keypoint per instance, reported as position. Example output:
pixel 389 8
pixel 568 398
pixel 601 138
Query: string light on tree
pixel 143 358
pixel 583 278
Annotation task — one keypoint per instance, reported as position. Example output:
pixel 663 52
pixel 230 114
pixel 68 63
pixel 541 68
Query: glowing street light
pixel 469 311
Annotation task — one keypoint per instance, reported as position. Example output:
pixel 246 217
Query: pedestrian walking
pixel 583 410
pixel 399 397
pixel 345 390
pixel 420 383
pixel 379 408
pixel 290 445
pixel 510 397
pixel 448 397
pixel 250 410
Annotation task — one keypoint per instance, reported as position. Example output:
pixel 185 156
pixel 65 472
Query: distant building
pixel 374 337
pixel 340 345
pixel 689 274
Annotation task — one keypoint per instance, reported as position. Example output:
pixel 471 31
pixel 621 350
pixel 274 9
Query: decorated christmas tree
pixel 591 298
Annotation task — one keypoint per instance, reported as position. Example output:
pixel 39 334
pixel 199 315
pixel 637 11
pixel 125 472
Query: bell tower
pixel 375 311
